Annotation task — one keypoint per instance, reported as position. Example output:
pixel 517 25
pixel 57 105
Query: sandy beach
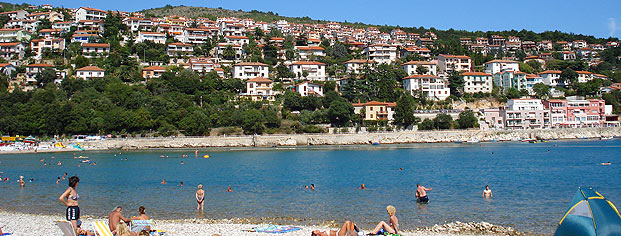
pixel 34 225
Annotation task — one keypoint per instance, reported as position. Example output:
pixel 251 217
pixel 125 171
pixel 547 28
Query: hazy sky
pixel 598 18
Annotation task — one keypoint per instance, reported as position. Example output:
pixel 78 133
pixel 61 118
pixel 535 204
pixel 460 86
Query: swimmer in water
pixel 21 181
pixel 606 163
pixel 487 193
pixel 181 184
pixel 163 181
pixel 59 164
pixel 362 186
pixel 181 162
pixel 313 187
pixel 229 189
pixel 58 180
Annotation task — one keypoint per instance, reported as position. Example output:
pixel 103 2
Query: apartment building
pixel 153 72
pixel 155 37
pixel 54 44
pixel 448 63
pixel 203 65
pixel 180 49
pixel 356 66
pixel 510 79
pixel 525 114
pixel 136 24
pixel 411 67
pixel 309 89
pixel 381 53
pixel 259 89
pixel 87 13
pixel 475 82
pixel 89 49
pixel 14 35
pixel 430 86
pixel 315 70
pixel 249 70
pixel 495 66
pixel 90 72
pixel 575 112
pixel 374 110
pixel 531 80
pixel 12 50
pixel 552 78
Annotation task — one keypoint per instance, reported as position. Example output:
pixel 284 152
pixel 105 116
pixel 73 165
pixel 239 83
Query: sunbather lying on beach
pixel 392 226
pixel 348 228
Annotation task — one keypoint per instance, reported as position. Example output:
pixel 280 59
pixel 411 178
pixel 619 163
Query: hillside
pixel 443 35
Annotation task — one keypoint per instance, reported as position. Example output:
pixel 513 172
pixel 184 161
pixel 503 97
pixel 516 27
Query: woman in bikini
pixel 71 196
pixel 348 228
pixel 200 197
pixel 392 226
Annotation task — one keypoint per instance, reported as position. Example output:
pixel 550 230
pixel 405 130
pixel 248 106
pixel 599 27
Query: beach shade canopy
pixel 590 214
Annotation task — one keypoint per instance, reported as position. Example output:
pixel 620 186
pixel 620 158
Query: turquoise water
pixel 532 183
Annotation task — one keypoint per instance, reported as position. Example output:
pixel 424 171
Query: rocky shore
pixel 351 139
pixel 34 225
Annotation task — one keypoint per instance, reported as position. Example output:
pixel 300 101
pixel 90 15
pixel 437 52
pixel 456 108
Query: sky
pixel 601 18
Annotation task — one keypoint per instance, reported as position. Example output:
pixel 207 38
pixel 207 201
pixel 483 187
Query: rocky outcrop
pixel 352 139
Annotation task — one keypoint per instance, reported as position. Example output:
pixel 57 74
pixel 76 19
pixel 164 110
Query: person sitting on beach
pixel 393 223
pixel 142 216
pixel 487 193
pixel 82 231
pixel 115 217
pixel 123 230
pixel 200 197
pixel 348 228
pixel 421 194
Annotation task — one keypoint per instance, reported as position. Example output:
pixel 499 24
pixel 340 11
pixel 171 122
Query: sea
pixel 532 183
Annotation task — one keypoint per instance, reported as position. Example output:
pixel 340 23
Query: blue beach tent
pixel 589 214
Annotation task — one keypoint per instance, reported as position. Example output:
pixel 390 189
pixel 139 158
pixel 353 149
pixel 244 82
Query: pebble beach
pixel 19 224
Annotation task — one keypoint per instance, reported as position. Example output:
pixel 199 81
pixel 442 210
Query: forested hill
pixel 443 35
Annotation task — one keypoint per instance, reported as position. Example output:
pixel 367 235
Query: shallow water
pixel 532 183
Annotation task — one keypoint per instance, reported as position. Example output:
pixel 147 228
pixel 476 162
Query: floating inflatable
pixel 206 156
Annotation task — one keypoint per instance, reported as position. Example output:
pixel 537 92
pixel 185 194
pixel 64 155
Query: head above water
pixel 73 181
pixel 391 210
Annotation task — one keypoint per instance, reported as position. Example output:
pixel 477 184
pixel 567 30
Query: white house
pixel 430 86
pixel 309 89
pixel 381 53
pixel 97 48
pixel 475 82
pixel 249 70
pixel 259 89
pixel 316 70
pixel 9 51
pixel 305 52
pixel 495 66
pixel 448 63
pixel 411 66
pixel 87 13
pixel 355 66
pixel 179 49
pixel 552 78
pixel 90 72
pixel 156 37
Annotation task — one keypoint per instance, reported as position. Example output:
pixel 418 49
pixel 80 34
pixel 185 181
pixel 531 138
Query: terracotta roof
pixel 250 64
pixel 418 63
pixel 305 82
pixel 153 33
pixel 237 37
pixel 259 79
pixel 304 48
pixel 359 61
pixel 584 72
pixel 39 65
pixel 90 68
pixel 2 65
pixel 307 63
pixel 154 68
pixel 476 73
pixel 421 76
pixel 181 44
pixel 454 56
pixel 550 72
pixel 96 45
pixel 93 9
pixel 528 76
pixel 9 44
pixel 376 103
pixel 500 61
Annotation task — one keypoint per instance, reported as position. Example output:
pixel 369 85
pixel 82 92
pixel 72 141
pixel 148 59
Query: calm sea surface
pixel 532 183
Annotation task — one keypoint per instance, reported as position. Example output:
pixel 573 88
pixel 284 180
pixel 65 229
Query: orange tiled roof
pixel 259 79
pixel 90 68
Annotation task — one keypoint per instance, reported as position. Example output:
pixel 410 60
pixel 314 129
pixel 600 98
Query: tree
pixel 421 70
pixel 81 61
pixel 524 67
pixel 443 121
pixel 569 76
pixel 196 123
pixel 536 65
pixel 541 90
pixel 292 101
pixel 404 112
pixel 427 124
pixel 456 83
pixel 46 76
pixel 512 93
pixel 467 120
pixel 228 53
pixel 340 112
pixel 253 122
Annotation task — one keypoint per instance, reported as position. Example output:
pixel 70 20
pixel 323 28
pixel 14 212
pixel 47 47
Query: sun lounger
pixel 102 229
pixel 66 227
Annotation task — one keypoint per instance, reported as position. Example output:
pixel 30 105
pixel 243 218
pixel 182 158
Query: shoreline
pixel 293 140
pixel 39 224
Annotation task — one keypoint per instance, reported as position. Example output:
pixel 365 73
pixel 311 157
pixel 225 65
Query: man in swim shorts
pixel 421 194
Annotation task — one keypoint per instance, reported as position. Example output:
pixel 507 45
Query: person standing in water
pixel 421 193
pixel 200 197
pixel 487 193
pixel 21 181
pixel 71 196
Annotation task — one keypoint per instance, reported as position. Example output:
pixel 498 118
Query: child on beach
pixel 393 223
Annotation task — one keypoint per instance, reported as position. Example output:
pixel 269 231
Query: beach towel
pixel 5 234
pixel 274 229
pixel 139 225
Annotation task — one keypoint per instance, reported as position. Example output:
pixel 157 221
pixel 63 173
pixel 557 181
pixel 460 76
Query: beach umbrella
pixel 590 214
